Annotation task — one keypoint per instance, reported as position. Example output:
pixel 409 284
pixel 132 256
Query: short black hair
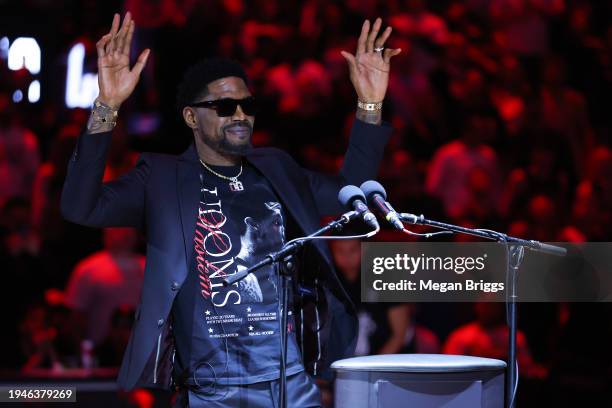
pixel 198 76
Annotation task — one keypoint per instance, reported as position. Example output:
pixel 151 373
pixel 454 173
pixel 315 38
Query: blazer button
pixel 174 286
pixel 160 322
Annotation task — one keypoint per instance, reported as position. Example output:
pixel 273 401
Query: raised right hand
pixel 115 78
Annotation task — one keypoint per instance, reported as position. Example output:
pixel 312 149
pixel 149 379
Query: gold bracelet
pixel 369 106
pixel 103 118
pixel 103 114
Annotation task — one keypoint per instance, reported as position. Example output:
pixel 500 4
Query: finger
pixel 390 53
pixel 380 41
pixel 373 34
pixel 128 40
pixel 141 62
pixel 361 42
pixel 108 48
pixel 101 44
pixel 115 25
pixel 350 59
pixel 123 32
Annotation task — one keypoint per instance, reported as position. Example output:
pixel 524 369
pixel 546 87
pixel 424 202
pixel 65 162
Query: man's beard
pixel 224 145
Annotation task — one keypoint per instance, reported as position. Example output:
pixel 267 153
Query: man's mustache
pixel 242 123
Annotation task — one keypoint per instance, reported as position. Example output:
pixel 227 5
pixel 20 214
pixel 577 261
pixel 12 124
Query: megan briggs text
pixel 429 285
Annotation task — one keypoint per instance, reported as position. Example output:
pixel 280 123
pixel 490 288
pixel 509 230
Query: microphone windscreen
pixel 348 194
pixel 372 187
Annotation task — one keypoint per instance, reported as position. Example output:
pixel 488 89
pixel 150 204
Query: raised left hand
pixel 369 69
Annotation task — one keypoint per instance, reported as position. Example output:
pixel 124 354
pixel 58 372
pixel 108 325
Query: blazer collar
pixel 190 154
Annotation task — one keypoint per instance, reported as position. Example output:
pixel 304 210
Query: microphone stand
pixel 284 266
pixel 515 250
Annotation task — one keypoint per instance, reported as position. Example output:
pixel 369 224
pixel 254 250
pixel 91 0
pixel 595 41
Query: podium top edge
pixel 419 363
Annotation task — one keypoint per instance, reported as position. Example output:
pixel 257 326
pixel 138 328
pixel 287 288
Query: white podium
pixel 419 380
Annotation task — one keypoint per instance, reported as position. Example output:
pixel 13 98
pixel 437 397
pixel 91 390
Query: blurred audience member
pixel 49 338
pixel 465 173
pixel 105 281
pixel 543 220
pixel 417 338
pixel 521 25
pixel 19 155
pixel 547 171
pixel 564 110
pixel 18 236
pixel 487 336
pixel 591 212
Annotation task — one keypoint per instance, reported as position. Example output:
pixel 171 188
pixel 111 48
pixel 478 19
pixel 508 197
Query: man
pixel 106 281
pixel 215 209
pixel 487 336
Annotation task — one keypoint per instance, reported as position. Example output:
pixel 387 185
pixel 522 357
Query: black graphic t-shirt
pixel 231 335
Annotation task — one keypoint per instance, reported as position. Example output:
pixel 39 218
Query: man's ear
pixel 189 117
pixel 250 222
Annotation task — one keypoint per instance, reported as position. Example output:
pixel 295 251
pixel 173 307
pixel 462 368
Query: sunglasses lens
pixel 226 107
pixel 249 106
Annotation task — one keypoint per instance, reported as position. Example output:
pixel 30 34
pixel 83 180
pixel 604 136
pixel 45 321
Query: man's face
pixel 347 255
pixel 224 134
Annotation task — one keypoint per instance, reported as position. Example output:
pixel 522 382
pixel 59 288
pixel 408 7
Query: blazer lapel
pixel 289 196
pixel 188 186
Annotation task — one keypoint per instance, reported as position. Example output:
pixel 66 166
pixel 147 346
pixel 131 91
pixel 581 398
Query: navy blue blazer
pixel 160 195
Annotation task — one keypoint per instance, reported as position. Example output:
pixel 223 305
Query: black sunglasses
pixel 227 106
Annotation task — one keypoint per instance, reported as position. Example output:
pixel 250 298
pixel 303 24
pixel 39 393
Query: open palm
pixel 115 78
pixel 369 69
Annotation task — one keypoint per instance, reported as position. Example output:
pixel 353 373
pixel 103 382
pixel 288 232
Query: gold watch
pixel 369 106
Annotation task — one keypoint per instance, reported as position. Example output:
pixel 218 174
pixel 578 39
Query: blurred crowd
pixel 500 121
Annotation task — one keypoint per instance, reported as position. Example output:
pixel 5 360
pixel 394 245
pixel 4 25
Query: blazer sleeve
pixel 86 200
pixel 361 163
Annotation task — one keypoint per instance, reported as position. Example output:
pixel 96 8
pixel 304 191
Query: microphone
pixel 377 197
pixel 352 197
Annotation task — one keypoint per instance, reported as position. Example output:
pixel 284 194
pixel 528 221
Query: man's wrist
pixel 108 102
pixel 103 117
pixel 369 112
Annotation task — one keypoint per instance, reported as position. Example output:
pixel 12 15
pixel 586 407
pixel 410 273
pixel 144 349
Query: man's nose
pixel 239 114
